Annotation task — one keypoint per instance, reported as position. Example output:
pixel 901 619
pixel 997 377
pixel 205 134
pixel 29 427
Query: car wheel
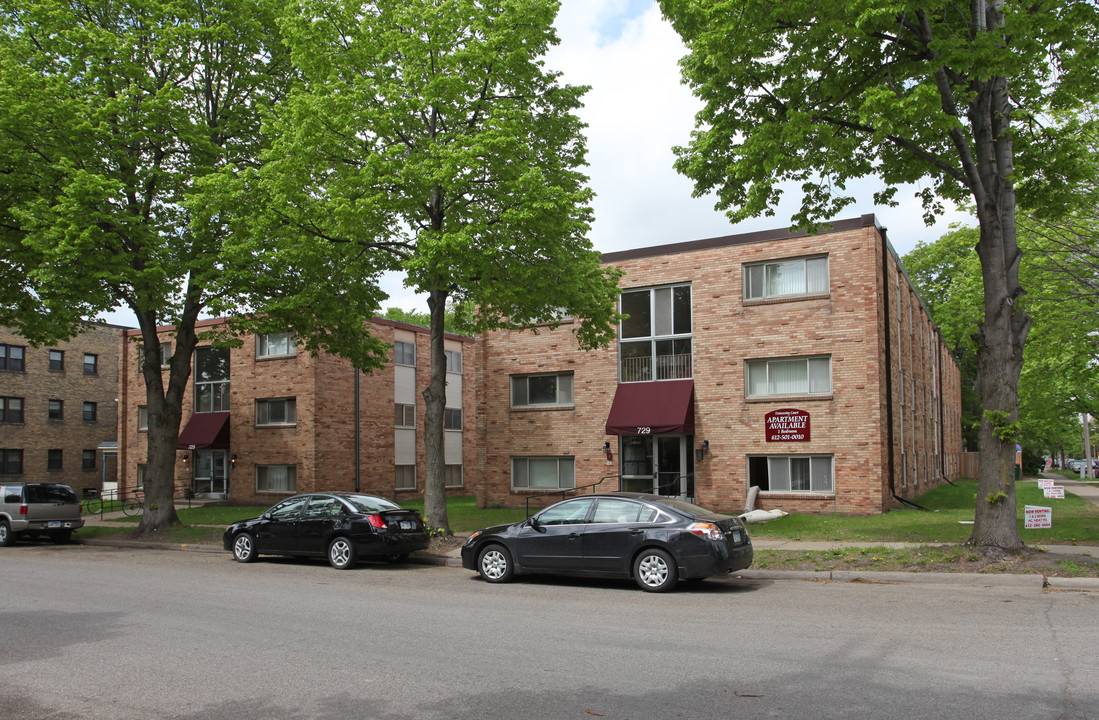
pixel 62 537
pixel 494 564
pixel 396 557
pixel 655 571
pixel 341 553
pixel 244 548
pixel 5 533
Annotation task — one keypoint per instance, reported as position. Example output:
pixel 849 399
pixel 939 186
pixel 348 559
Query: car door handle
pixel 636 531
pixel 574 536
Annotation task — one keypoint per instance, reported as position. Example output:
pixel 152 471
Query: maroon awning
pixel 205 430
pixel 650 408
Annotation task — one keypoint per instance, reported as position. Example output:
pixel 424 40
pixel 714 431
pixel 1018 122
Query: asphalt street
pixel 99 632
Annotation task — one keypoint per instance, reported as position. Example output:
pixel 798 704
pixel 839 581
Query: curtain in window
pixel 778 472
pixel 799 474
pixel 820 375
pixel 787 377
pixel 786 278
pixel 822 475
pixel 816 275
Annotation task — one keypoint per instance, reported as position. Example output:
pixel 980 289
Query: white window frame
pixel 751 367
pixel 290 411
pixel 775 474
pixel 265 341
pixel 566 472
pixel 289 480
pixel 453 361
pixel 142 418
pixel 522 399
pixel 401 476
pixel 658 365
pixel 404 353
pixel 219 387
pixel 404 415
pixel 449 415
pixel 760 273
pixel 453 476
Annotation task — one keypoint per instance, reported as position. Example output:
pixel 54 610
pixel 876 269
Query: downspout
pixel 358 427
pixel 942 425
pixel 891 469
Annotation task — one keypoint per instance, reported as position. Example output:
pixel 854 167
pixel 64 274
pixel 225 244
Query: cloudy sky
pixel 636 111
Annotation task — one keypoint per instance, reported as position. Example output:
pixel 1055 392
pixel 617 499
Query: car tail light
pixel 707 530
pixel 376 521
pixel 22 509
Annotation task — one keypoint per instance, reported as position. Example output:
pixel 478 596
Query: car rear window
pixel 686 508
pixel 369 503
pixel 50 494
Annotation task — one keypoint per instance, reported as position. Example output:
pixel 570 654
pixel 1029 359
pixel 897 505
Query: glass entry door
pixel 658 464
pixel 211 473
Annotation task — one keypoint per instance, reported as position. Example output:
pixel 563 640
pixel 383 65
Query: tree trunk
pixel 435 406
pixel 1005 327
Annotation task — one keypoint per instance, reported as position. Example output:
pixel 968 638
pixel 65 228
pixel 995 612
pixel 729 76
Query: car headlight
pixel 473 537
pixel 706 530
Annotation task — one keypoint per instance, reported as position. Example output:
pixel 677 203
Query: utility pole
pixel 1089 471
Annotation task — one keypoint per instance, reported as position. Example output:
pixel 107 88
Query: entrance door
pixel 658 464
pixel 211 475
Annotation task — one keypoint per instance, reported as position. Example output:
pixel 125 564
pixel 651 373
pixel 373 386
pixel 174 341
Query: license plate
pixel 736 536
pixel 408 525
pixel 53 523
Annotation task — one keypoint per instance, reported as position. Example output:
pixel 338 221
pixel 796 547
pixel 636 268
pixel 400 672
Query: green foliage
pixel 1033 463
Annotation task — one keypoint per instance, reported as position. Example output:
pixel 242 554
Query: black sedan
pixel 340 526
pixel 655 540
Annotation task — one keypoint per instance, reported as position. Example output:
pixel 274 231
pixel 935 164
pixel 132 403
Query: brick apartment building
pixel 262 421
pixel 802 365
pixel 58 409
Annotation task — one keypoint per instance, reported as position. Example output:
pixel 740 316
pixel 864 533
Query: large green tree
pixel 121 122
pixel 975 100
pixel 430 129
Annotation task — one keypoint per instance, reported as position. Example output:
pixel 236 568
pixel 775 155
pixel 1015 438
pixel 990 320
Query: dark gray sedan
pixel 340 526
pixel 655 540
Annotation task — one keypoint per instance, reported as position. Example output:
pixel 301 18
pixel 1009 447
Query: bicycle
pixel 133 506
pixel 93 506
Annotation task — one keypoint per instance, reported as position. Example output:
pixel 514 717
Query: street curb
pixel 847 576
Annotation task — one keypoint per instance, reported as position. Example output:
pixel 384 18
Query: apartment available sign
pixel 786 425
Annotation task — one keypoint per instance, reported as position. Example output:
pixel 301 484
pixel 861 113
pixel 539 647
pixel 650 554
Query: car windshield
pixel 686 508
pixel 50 494
pixel 370 504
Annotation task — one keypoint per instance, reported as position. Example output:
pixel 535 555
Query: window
pixel 11 410
pixel 786 278
pixel 541 390
pixel 538 473
pixel 211 379
pixel 790 376
pixel 791 473
pixel 405 477
pixel 323 507
pixel 165 356
pixel 11 357
pixel 452 419
pixel 655 338
pixel 57 360
pixel 89 412
pixel 53 460
pixel 11 462
pixel 571 512
pixel 404 415
pixel 276 345
pixel 453 361
pixel 279 411
pixel 91 364
pixel 277 478
pixel 87 459
pixel 56 409
pixel 452 476
pixel 404 353
pixel 288 508
pixel 142 417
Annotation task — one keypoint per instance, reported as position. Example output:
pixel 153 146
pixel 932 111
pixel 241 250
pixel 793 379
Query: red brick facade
pixel 876 376
pixel 850 424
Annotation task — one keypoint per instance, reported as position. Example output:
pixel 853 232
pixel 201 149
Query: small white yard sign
pixel 1045 483
pixel 1037 517
pixel 1054 492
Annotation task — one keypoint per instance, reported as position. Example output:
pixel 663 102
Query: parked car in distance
pixel 656 540
pixel 38 508
pixel 343 527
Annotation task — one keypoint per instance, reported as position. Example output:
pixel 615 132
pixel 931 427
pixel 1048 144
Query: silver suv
pixel 34 508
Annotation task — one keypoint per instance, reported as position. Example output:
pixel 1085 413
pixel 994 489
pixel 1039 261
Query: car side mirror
pixel 534 524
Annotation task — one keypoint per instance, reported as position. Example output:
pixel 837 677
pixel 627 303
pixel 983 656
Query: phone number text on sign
pixel 788 424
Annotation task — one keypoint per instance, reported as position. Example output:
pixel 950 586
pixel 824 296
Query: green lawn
pixel 949 507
